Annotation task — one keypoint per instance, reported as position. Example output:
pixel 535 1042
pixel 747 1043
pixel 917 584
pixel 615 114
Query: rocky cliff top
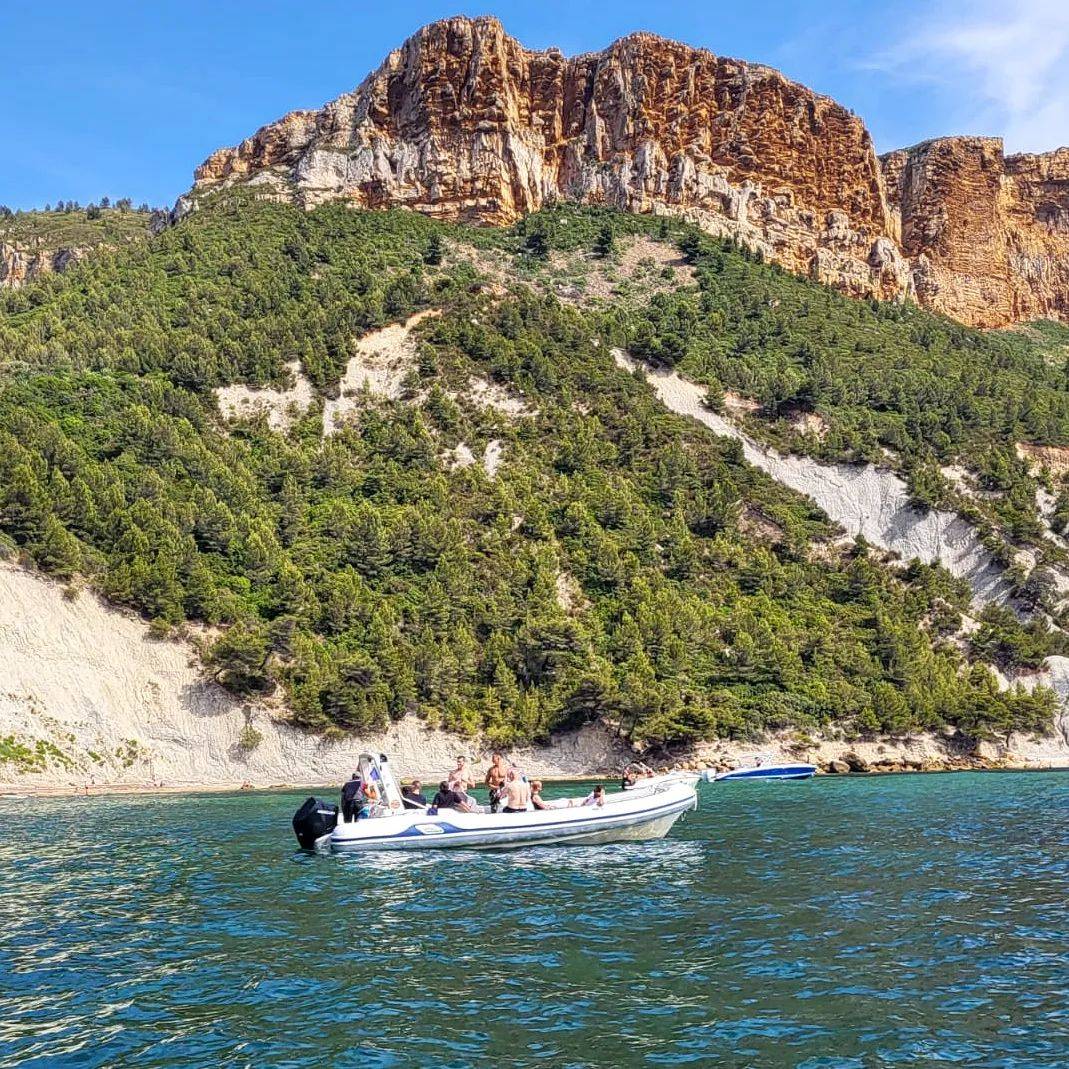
pixel 462 122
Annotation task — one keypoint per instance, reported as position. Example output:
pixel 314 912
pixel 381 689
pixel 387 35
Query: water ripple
pixel 828 925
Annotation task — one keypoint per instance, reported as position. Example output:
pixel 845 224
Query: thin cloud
pixel 1007 64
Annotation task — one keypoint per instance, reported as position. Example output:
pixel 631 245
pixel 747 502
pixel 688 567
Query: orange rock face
pixel 987 234
pixel 464 123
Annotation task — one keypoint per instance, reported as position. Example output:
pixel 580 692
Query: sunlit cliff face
pixel 464 123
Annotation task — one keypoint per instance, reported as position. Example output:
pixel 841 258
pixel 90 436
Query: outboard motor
pixel 313 820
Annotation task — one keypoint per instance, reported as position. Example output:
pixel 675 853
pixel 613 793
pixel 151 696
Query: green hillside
pixel 622 563
pixel 81 228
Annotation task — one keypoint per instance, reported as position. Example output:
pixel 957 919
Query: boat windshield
pixel 380 786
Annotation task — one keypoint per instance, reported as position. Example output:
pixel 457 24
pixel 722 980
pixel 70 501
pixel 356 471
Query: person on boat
pixel 536 796
pixel 517 793
pixel 352 798
pixel 462 773
pixel 449 798
pixel 496 775
pixel 596 796
pixel 633 773
pixel 460 788
pixel 412 797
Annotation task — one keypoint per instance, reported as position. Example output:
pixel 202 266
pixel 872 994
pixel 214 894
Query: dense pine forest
pixel 621 564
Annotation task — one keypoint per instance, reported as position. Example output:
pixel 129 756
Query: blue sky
pixel 126 98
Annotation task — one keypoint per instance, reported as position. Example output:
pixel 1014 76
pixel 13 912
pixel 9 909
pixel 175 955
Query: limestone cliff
pixel 464 123
pixel 987 234
pixel 19 265
pixel 38 243
pixel 89 697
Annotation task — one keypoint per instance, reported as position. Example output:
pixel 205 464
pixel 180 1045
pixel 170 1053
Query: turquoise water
pixel 907 920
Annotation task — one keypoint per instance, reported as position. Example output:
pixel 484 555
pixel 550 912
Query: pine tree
pixel 58 550
pixel 605 242
pixel 432 255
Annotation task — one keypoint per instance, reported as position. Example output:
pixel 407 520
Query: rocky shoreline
pixel 886 757
pixel 945 751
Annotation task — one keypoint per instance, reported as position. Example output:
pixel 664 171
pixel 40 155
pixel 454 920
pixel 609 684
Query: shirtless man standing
pixel 495 779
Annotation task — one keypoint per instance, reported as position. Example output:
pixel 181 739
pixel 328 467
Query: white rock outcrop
pixel 382 361
pixel 862 499
pixel 278 406
pixel 105 704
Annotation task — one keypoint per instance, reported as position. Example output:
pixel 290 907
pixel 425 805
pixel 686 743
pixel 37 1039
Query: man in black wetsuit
pixel 352 798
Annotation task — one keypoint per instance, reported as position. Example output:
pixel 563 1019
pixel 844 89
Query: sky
pixel 126 97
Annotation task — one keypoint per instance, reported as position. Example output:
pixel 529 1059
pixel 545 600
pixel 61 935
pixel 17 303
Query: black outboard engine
pixel 312 820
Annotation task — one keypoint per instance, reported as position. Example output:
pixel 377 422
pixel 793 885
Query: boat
pixel 644 814
pixel 764 769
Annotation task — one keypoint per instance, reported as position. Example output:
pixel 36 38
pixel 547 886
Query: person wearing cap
pixel 352 798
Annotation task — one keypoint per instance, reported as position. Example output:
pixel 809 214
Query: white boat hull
pixel 637 816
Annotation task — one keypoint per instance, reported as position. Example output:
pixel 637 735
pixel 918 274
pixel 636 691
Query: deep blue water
pixel 907 920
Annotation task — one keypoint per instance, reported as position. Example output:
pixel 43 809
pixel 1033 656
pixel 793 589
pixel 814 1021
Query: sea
pixel 907 920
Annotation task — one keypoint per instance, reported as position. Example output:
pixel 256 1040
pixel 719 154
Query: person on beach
pixel 449 798
pixel 412 797
pixel 517 793
pixel 352 798
pixel 596 796
pixel 496 775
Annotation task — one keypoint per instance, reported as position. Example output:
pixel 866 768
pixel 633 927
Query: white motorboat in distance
pixel 636 815
pixel 764 769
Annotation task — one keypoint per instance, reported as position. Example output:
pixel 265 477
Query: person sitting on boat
pixel 633 773
pixel 536 796
pixel 596 796
pixel 353 798
pixel 460 787
pixel 449 798
pixel 495 779
pixel 517 793
pixel 411 796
